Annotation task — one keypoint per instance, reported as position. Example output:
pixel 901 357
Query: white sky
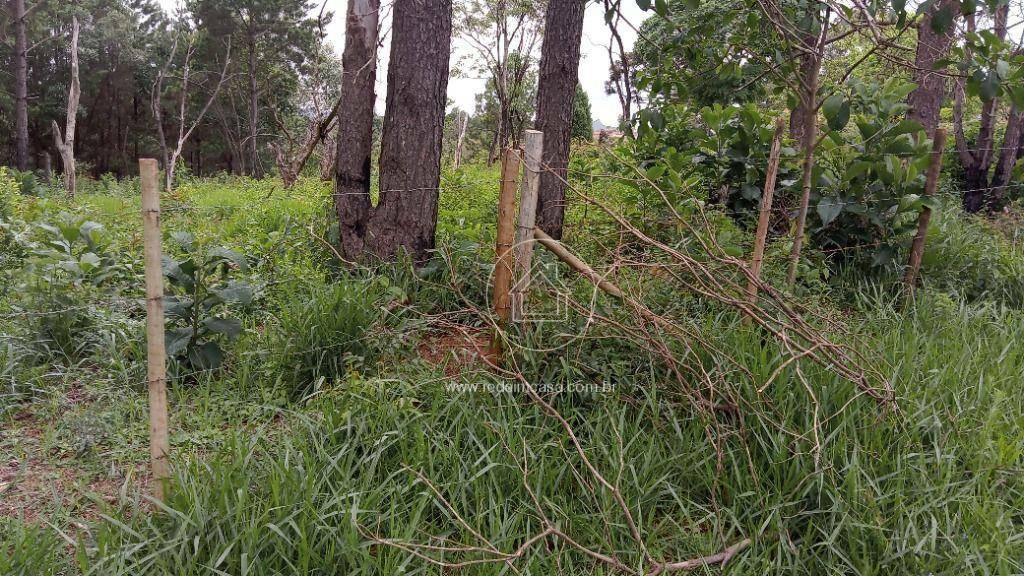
pixel 593 61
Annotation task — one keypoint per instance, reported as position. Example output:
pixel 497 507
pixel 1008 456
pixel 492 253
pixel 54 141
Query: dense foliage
pixel 335 417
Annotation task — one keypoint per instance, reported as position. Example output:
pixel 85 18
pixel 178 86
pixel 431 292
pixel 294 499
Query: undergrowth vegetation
pixel 346 425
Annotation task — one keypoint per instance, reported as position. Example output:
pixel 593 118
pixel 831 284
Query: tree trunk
pixel 327 154
pixel 926 99
pixel 460 143
pixel 254 113
pixel 808 131
pixel 355 126
pixel 66 143
pixel 977 163
pixel 20 85
pixel 46 165
pixel 559 75
pixel 410 155
pixel 291 162
pixel 1007 160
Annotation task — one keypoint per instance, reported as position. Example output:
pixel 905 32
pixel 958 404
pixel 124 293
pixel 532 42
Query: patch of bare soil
pixel 33 487
pixel 458 351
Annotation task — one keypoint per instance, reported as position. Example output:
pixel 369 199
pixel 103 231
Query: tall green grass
pixel 933 487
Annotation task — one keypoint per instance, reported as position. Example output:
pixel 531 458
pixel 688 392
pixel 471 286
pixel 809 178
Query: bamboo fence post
pixel 931 183
pixel 533 147
pixel 510 162
pixel 156 373
pixel 757 259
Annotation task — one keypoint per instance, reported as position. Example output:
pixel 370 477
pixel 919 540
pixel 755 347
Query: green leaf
pixel 906 127
pixel 221 254
pixel 236 292
pixel 837 111
pixel 656 171
pixel 644 5
pixel 177 308
pixel 829 209
pixel 91 232
pixel 206 356
pixel 176 340
pixel 900 145
pixel 89 261
pixel 229 327
pixel 184 240
pixel 989 87
pixel 1017 96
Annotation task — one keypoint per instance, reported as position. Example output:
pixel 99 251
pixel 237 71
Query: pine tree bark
pixel 410 156
pixel 355 126
pixel 926 100
pixel 20 85
pixel 559 75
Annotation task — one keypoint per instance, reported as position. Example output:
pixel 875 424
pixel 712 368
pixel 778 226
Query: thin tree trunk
pixel 291 162
pixel 978 163
pixel 410 157
pixel 254 113
pixel 355 126
pixel 461 141
pixel 20 85
pixel 559 75
pixel 327 155
pixel 1007 160
pixel 66 143
pixel 926 99
pixel 809 136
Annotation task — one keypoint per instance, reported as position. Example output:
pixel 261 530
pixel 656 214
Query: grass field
pixel 341 434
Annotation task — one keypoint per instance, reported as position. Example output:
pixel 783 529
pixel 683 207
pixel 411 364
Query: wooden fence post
pixel 510 162
pixel 533 147
pixel 156 372
pixel 766 209
pixel 931 183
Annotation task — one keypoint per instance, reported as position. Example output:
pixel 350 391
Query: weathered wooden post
pixel 156 372
pixel 533 147
pixel 510 162
pixel 931 183
pixel 761 236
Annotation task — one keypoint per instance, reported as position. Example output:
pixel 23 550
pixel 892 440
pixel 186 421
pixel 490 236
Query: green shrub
pixel 319 336
pixel 203 295
pixel 9 188
pixel 965 257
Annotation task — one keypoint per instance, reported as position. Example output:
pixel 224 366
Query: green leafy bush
pixel 73 250
pixel 869 181
pixel 320 335
pixel 198 312
pixel 68 261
